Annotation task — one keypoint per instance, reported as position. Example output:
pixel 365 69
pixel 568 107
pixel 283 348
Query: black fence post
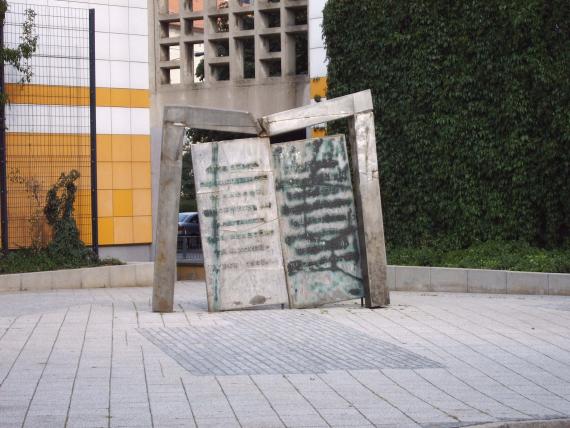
pixel 3 189
pixel 93 133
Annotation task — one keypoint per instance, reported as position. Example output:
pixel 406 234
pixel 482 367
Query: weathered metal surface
pixel 369 209
pixel 239 224
pixel 167 219
pixel 313 114
pixel 318 221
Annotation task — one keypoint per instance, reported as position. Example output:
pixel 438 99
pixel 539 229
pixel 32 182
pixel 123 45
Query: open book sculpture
pixel 281 223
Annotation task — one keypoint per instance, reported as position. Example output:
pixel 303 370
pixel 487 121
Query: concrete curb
pixel 547 423
pixel 454 280
pixel 129 275
pixel 400 278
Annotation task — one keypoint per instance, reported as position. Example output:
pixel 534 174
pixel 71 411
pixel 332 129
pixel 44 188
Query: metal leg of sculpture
pixel 167 219
pixel 369 209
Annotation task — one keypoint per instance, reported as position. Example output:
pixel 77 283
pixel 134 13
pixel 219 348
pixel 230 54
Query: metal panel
pixel 318 221
pixel 239 224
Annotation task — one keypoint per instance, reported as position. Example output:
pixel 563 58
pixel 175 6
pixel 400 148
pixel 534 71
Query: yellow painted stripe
pixel 76 96
pixel 319 87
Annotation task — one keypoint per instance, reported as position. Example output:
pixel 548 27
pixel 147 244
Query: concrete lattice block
pixel 96 277
pixel 449 280
pixel 37 281
pixel 69 278
pixel 11 282
pixel 123 276
pixel 412 278
pixel 527 283
pixel 559 284
pixel 487 281
pixel 144 273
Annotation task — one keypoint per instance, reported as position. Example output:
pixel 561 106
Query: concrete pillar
pixel 167 218
pixel 369 209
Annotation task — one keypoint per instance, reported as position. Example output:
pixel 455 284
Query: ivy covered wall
pixel 472 104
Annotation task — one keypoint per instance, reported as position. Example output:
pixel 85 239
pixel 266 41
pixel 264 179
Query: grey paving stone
pixel 337 348
pixel 506 357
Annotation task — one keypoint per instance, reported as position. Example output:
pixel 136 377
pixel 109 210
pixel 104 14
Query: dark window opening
pixel 299 16
pixel 272 67
pixel 272 42
pixel 246 21
pixel 194 26
pixel 221 24
pixel 301 54
pixel 272 18
pixel 248 49
pixel 220 72
pixel 221 48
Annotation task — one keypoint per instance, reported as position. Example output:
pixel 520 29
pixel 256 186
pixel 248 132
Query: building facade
pixel 262 56
pixel 47 117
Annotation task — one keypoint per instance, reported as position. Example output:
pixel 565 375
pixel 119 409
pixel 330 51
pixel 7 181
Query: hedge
pixel 472 105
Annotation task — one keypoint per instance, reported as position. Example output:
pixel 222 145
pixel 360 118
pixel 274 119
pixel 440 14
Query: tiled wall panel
pixel 123 142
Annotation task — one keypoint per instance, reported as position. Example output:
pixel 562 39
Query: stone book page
pixel 318 221
pixel 239 224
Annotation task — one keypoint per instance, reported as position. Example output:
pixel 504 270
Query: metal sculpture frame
pixel 356 107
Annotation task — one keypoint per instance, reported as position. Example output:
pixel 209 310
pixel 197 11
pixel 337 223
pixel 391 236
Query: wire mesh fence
pixel 48 121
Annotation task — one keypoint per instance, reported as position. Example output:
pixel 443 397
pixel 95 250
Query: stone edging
pixel 548 423
pixel 400 278
pixel 129 275
pixel 413 278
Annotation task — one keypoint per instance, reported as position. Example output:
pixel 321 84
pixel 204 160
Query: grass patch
pixel 27 260
pixel 502 255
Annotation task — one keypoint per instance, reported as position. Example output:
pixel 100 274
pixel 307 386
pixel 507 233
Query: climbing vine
pixel 20 56
pixel 472 114
pixel 65 243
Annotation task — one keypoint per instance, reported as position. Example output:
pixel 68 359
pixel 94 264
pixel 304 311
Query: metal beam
pixel 211 119
pixel 325 111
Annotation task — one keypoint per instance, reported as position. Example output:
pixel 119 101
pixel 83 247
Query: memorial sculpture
pixel 282 224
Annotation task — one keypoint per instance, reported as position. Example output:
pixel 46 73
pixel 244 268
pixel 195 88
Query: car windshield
pixel 182 217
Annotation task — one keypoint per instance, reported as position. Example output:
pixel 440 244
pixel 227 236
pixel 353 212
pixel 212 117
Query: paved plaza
pixel 101 358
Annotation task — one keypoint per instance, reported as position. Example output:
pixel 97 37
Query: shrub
pixel 472 120
pixel 65 245
pixel 517 256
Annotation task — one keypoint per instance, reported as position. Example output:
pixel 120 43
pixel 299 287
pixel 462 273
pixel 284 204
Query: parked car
pixel 188 224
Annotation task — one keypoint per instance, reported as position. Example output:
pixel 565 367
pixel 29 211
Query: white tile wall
pixel 101 17
pixel 119 74
pixel 138 3
pixel 317 62
pixel 48 119
pixel 140 121
pixel 119 19
pixel 104 120
pixel 102 46
pixel 121 43
pixel 138 21
pixel 138 48
pixel 119 2
pixel 317 53
pixel 119 47
pixel 315 33
pixel 316 8
pixel 139 75
pixel 121 120
pixel 103 73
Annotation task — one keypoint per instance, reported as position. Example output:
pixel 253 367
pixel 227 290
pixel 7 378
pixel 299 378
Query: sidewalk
pixel 99 358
